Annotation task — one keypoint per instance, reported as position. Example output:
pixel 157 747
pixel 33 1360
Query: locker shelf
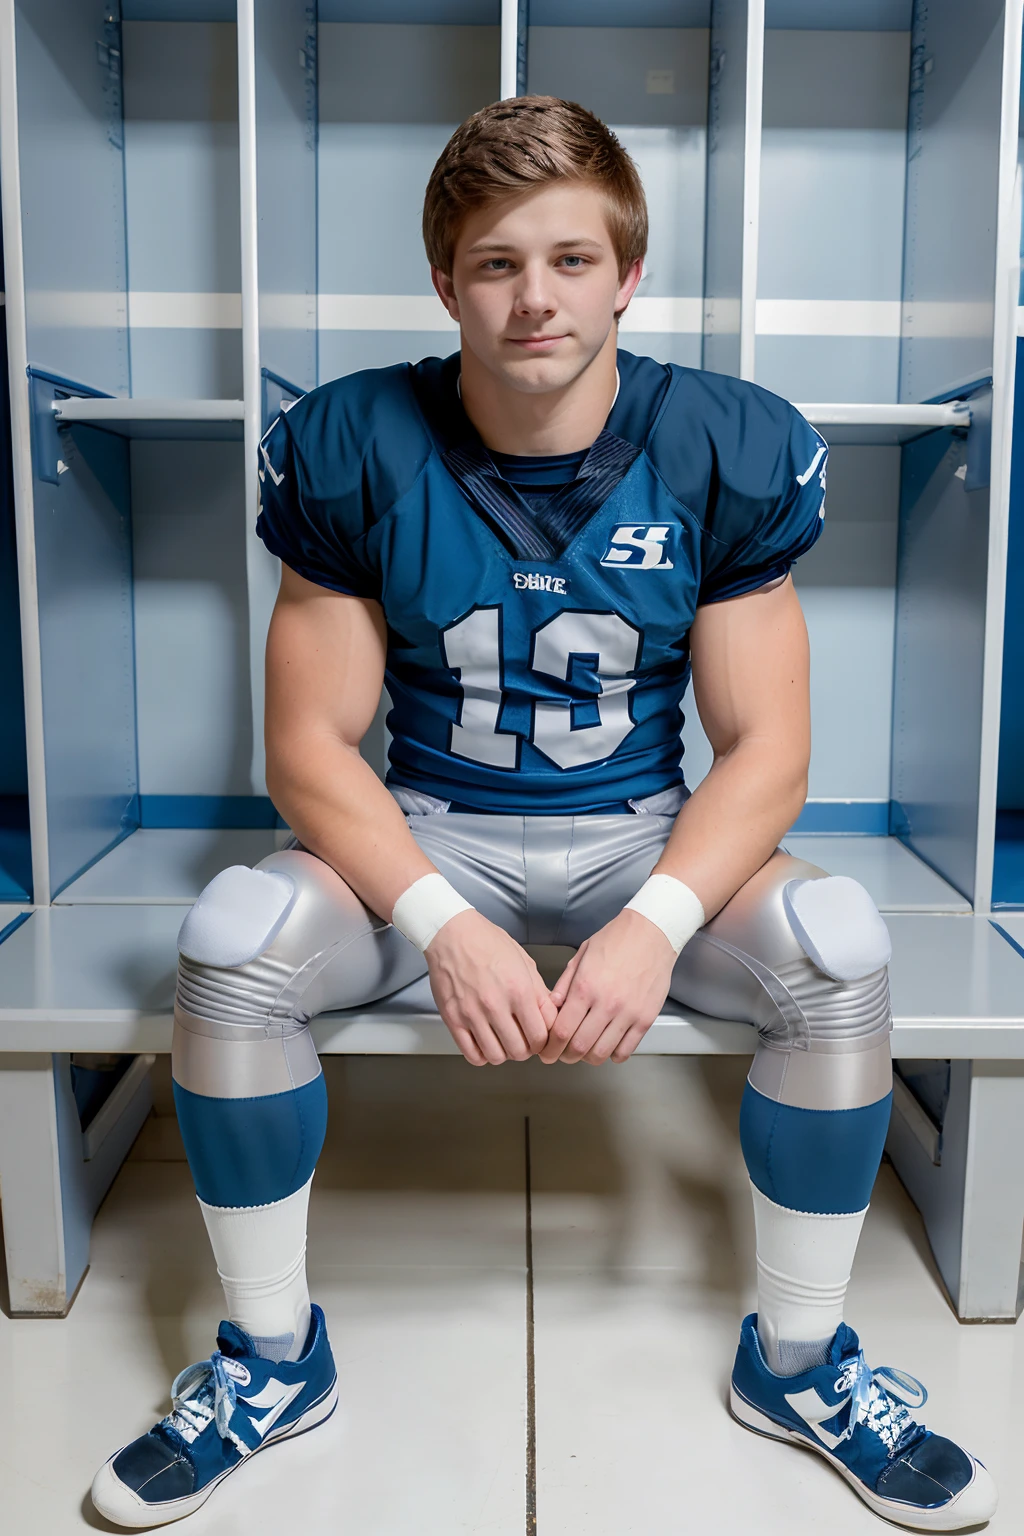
pixel 167 866
pixel 102 978
pixel 883 424
pixel 155 418
pixel 896 879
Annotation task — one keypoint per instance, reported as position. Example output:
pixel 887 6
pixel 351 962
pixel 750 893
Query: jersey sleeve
pixel 770 502
pixel 309 532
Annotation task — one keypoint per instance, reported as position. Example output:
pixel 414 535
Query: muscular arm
pixel 751 681
pixel 325 672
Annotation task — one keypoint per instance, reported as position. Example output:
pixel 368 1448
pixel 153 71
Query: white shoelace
pixel 881 1399
pixel 204 1392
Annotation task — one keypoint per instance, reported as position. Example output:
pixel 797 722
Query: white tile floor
pixel 642 1263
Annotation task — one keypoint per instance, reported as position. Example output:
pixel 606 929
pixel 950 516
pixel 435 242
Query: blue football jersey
pixel 538 656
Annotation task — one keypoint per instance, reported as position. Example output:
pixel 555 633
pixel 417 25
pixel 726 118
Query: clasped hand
pixel 495 1003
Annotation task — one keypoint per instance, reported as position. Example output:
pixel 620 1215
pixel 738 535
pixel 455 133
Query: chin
pixel 541 375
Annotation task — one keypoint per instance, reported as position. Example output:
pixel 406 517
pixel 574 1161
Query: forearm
pixel 734 820
pixel 339 809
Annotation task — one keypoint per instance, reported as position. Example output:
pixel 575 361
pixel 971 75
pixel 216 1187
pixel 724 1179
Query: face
pixel 535 286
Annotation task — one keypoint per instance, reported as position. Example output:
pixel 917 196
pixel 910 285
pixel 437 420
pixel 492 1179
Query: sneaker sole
pixel 973 1505
pixel 120 1504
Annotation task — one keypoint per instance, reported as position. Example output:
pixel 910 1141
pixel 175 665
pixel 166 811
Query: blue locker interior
pixel 1008 880
pixel 15 852
pixel 1008 884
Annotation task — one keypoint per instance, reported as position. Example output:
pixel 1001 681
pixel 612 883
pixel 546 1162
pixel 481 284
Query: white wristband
pixel 671 906
pixel 425 907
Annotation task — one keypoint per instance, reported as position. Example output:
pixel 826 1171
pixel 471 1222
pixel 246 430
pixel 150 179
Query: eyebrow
pixel 559 245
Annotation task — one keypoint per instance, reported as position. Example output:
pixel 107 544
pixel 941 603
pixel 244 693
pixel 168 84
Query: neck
pixel 558 421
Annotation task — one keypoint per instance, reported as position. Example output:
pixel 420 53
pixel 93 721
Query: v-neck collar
pixel 525 533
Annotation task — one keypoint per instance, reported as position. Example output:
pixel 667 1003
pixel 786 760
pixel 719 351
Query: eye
pixel 497 264
pixel 576 262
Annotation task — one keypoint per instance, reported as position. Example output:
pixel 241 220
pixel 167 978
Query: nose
pixel 534 292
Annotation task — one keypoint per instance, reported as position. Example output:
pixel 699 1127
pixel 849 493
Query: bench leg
pixel 968 1184
pixel 52 1178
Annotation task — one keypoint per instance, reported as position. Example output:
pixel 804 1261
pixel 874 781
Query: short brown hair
pixel 523 143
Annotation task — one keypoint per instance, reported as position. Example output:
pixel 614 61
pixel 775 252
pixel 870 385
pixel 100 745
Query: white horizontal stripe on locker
pixel 870 317
pixel 185 311
pixel 828 317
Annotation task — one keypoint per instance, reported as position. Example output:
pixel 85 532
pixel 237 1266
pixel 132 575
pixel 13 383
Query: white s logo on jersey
pixel 639 545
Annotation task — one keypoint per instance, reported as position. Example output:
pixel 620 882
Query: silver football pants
pixel 260 958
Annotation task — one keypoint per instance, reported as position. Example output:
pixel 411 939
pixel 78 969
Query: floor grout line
pixel 531 1372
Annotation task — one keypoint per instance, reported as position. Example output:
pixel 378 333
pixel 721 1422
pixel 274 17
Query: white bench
pixel 95 973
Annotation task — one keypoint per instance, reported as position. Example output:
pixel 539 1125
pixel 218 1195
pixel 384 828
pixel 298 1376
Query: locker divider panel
pixel 940 629
pixel 732 213
pixel 84 568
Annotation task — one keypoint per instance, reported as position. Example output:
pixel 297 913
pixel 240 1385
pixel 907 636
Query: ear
pixel 627 287
pixel 445 291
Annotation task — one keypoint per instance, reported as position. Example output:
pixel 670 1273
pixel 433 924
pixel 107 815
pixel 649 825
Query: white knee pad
pixel 236 917
pixel 838 926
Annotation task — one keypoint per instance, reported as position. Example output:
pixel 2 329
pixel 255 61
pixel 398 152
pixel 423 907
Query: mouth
pixel 536 343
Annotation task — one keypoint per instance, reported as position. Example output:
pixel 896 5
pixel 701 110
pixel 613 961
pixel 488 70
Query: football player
pixel 532 544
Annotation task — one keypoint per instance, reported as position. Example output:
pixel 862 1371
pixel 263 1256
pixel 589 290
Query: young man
pixel 531 543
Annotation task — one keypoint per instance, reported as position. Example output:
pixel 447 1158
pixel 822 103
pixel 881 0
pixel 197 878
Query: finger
pixel 468 1046
pixel 628 1044
pixel 506 1027
pixel 548 1009
pixel 560 990
pixel 610 1039
pixel 487 1041
pixel 535 1013
pixel 591 1030
pixel 568 1020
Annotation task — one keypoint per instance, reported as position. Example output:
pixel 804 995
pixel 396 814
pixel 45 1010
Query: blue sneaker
pixel 222 1410
pixel 860 1421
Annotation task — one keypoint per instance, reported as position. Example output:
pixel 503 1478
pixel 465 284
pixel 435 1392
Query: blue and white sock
pixel 252 1160
pixel 811 1175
